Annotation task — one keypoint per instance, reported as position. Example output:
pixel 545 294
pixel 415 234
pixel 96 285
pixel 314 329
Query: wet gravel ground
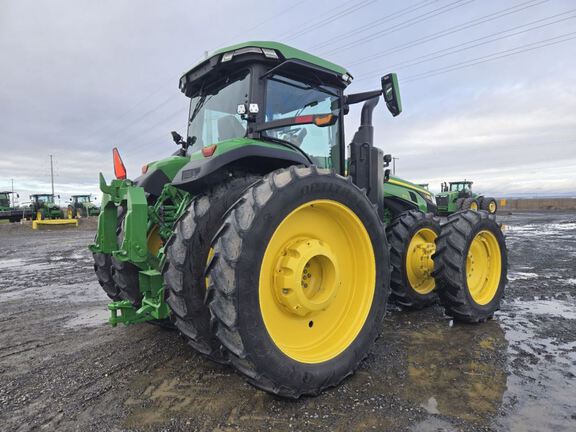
pixel 63 368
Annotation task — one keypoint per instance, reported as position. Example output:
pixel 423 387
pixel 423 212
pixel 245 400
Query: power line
pixel 327 20
pixel 491 57
pixel 451 30
pixel 375 23
pixel 124 114
pixel 454 49
pixel 405 24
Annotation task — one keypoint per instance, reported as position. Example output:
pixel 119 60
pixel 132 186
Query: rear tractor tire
pixel 412 238
pixel 103 269
pixel 471 266
pixel 188 252
pixel 489 204
pixel 299 281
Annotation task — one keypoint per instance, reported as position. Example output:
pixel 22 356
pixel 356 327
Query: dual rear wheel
pixel 463 262
pixel 296 285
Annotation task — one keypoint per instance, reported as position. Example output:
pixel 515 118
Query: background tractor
pixel 266 244
pixel 456 196
pixel 44 207
pixel 9 211
pixel 81 206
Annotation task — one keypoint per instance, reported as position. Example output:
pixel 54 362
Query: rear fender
pixel 202 172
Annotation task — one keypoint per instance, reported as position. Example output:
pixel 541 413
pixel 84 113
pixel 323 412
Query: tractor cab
pixel 81 206
pixel 262 93
pixel 461 186
pixel 42 199
pixel 81 199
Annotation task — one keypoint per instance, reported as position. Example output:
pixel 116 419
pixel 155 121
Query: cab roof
pixel 284 52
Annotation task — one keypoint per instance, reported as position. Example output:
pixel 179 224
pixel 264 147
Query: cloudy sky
pixel 488 86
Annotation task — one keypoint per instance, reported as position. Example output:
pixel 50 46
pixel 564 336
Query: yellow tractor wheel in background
pixel 299 281
pixel 70 213
pixel 412 236
pixel 39 215
pixel 489 204
pixel 471 266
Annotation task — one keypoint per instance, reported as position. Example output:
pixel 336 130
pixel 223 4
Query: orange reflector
pixel 144 169
pixel 208 151
pixel 119 168
pixel 323 120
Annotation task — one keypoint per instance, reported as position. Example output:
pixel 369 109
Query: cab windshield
pixel 44 198
pixel 213 111
pixel 288 98
pixel 459 187
pixel 83 199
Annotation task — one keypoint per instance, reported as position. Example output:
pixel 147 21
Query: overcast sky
pixel 488 87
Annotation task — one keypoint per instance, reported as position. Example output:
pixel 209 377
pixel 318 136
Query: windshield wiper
pixel 289 145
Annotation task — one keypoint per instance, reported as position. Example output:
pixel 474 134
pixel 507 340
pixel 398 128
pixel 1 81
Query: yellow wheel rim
pixel 317 281
pixel 69 213
pixel 473 205
pixel 38 215
pixel 483 267
pixel 419 263
pixel 492 207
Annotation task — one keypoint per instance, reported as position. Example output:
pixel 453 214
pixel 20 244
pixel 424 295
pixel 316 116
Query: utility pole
pixel 13 193
pixel 394 159
pixel 52 173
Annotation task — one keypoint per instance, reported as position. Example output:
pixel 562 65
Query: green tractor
pixel 81 206
pixel 44 207
pixel 456 196
pixel 266 248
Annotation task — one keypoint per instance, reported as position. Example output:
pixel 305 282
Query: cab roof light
pixel 226 57
pixel 270 53
pixel 119 168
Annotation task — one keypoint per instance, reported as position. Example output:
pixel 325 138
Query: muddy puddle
pixel 509 373
pixel 426 373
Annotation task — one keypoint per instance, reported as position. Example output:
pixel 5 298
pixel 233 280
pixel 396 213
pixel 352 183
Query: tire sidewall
pixel 257 342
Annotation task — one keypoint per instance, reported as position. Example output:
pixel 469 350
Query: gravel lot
pixel 63 368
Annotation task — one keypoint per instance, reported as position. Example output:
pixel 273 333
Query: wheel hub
pixel 422 260
pixel 307 277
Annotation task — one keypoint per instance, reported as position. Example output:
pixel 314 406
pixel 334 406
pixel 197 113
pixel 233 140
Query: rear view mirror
pixel 391 93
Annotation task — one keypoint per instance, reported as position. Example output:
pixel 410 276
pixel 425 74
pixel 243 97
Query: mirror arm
pixel 355 98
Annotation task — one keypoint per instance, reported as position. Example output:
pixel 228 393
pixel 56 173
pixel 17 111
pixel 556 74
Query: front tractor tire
pixel 412 238
pixel 471 266
pixel 299 281
pixel 188 252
